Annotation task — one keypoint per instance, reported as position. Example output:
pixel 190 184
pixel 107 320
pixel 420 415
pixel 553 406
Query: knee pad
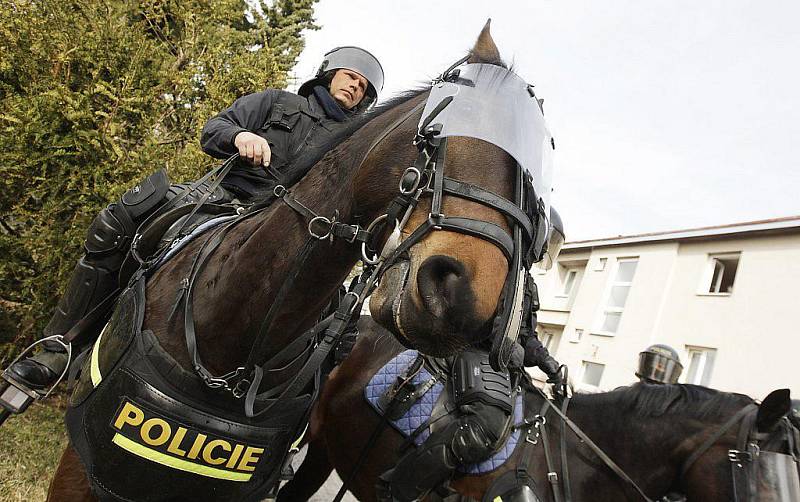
pixel 116 225
pixel 110 231
pixel 471 443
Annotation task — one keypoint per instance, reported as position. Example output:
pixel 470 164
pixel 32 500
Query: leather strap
pixel 476 194
pixel 715 437
pixel 552 474
pixel 597 450
pixel 565 479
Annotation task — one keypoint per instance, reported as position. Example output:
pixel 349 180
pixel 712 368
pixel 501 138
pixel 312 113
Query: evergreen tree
pixel 97 94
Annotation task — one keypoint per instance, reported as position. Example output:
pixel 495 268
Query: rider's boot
pixel 94 278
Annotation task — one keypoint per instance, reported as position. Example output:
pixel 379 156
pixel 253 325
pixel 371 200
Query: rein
pixel 539 422
pixel 245 380
pixel 713 438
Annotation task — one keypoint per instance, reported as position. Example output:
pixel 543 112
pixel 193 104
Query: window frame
pixel 577 335
pixel 584 366
pixel 700 374
pixel 606 308
pixel 567 293
pixel 707 278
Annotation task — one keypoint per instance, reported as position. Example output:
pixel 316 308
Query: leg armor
pixel 107 243
pixel 468 440
pixel 483 397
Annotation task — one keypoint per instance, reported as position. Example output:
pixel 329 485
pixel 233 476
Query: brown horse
pixel 459 277
pixel 648 430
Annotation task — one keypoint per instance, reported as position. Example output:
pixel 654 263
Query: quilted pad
pixel 422 409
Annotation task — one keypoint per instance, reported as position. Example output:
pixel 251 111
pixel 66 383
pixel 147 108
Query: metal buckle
pixel 356 229
pixel 739 457
pixel 538 422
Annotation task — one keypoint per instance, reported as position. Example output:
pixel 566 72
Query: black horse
pixel 650 431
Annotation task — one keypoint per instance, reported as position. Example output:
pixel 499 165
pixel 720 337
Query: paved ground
pixel 329 489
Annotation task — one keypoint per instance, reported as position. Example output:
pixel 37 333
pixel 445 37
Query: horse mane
pixel 315 158
pixel 650 400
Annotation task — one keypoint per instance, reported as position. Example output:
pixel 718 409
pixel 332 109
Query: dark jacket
pixel 290 123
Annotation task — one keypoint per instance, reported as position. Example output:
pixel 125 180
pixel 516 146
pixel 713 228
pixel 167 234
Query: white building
pixel 726 297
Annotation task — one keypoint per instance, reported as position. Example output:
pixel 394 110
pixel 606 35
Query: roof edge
pixel 772 224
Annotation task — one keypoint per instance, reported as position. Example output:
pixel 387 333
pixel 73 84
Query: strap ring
pixel 325 221
pixel 376 257
pixel 414 185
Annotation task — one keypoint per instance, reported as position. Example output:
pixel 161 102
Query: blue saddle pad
pixel 422 409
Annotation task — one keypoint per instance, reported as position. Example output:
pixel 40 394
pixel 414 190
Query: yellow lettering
pixel 210 449
pixel 176 442
pixel 237 450
pixel 251 456
pixel 129 414
pixel 162 438
pixel 198 444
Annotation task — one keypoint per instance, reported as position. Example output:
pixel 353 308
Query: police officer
pixel 659 364
pixel 268 129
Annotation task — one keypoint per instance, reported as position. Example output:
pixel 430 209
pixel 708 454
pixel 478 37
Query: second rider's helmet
pixel 350 58
pixel 659 364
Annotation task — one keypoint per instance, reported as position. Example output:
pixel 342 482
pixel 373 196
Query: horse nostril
pixel 442 284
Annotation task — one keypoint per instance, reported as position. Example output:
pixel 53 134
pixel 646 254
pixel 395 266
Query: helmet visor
pixel 658 368
pixel 554 243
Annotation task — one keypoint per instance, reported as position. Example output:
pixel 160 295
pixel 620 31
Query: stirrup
pixel 15 396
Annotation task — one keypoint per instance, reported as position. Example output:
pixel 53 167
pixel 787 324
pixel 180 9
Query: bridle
pixel 526 214
pixel 744 458
pixel 747 458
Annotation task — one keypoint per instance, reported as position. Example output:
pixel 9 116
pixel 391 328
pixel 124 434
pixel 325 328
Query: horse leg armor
pixel 95 276
pixel 484 401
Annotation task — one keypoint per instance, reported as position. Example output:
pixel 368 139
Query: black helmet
pixel 659 363
pixel 350 58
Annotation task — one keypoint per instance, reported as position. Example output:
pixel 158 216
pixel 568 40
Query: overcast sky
pixel 666 114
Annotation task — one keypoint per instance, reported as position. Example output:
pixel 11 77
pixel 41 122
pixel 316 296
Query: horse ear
pixel 774 407
pixel 485 50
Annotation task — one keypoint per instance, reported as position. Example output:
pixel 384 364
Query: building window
pixel 618 295
pixel 721 273
pixel 592 373
pixel 546 339
pixel 569 282
pixel 600 264
pixel 700 365
pixel 549 341
pixel 577 335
